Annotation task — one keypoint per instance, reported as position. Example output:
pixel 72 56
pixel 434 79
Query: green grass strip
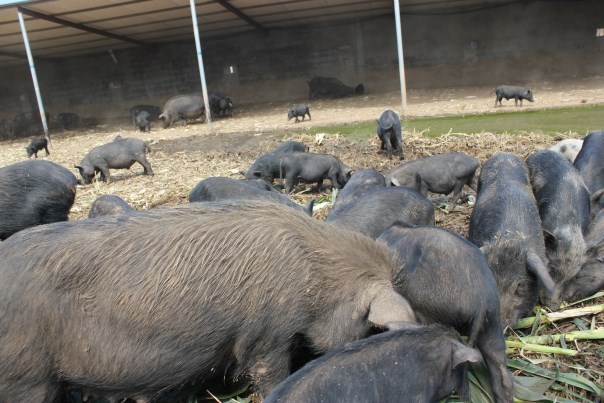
pixel 581 119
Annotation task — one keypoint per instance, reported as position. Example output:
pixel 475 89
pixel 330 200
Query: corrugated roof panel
pixel 168 20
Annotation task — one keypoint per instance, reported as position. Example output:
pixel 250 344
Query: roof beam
pixel 11 54
pixel 81 27
pixel 240 14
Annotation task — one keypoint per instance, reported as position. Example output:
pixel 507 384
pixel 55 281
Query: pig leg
pixel 308 112
pixel 334 181
pixel 46 148
pixel 269 371
pixel 36 154
pixel 399 147
pixel 105 176
pixel 146 166
pixel 289 183
pixel 492 346
pixel 388 148
pixel 269 365
pixel 456 193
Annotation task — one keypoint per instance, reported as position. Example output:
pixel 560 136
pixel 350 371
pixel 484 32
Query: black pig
pixel 221 105
pixel 442 173
pixel 32 193
pixel 505 224
pixel 590 165
pixel 186 107
pixel 389 131
pixel 297 111
pixel 152 110
pixel 590 278
pixel 267 166
pixel 143 121
pixel 563 202
pixel 360 183
pixel 312 167
pixel 413 364
pixel 37 145
pixel 509 91
pixel 376 211
pixel 221 188
pixel 109 205
pixel 331 87
pixel 129 308
pixel 438 262
pixel 121 153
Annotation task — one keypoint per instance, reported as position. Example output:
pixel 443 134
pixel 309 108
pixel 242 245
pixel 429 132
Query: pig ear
pixel 389 307
pixel 463 354
pixel 536 266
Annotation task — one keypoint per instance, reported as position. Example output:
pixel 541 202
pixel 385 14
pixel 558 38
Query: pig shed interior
pixel 100 58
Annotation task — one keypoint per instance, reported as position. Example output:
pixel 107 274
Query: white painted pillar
pixel 401 62
pixel 202 74
pixel 34 76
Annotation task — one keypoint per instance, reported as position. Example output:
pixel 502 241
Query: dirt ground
pixel 184 155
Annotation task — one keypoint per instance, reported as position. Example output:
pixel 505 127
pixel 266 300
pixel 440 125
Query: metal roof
pixel 62 28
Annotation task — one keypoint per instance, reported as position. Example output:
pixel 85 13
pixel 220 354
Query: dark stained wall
pixel 520 43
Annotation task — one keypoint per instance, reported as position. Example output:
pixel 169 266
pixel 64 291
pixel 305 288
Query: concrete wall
pixel 520 43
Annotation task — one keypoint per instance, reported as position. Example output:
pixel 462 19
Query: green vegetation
pixel 580 119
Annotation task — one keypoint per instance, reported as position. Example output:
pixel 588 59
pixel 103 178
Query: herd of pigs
pixel 243 283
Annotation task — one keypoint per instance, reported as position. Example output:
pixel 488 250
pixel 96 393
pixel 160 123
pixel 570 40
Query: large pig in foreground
pixel 442 173
pixel 505 224
pixel 33 193
pixel 121 153
pixel 413 364
pixel 563 202
pixel 373 213
pixel 128 308
pixel 185 106
pixel 437 262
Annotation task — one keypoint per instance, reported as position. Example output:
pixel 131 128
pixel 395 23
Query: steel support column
pixel 34 77
pixel 401 62
pixel 202 73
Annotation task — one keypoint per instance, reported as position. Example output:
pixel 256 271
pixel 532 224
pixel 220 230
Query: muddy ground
pixel 184 155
